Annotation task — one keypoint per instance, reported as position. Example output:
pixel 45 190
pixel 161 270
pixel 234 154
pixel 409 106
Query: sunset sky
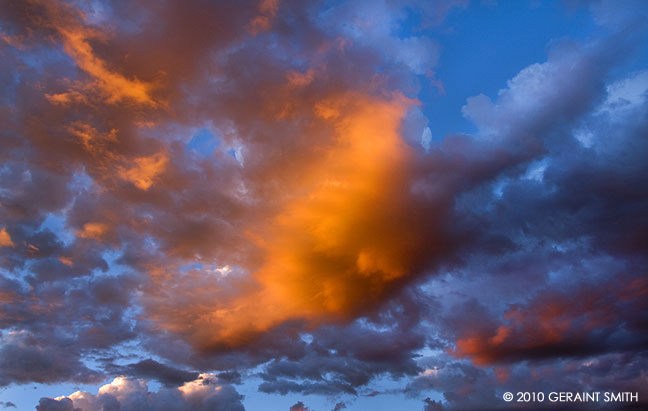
pixel 294 205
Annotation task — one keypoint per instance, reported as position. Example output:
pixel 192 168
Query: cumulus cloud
pixel 299 406
pixel 124 393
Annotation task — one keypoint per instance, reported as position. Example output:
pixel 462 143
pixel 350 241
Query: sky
pixel 295 205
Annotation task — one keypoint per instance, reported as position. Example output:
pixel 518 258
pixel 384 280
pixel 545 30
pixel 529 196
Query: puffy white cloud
pixel 542 94
pixel 626 94
pixel 131 394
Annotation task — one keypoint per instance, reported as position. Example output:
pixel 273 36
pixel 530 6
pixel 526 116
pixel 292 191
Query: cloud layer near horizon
pixel 258 190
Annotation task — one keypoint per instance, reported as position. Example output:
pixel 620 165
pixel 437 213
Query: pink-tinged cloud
pixel 559 323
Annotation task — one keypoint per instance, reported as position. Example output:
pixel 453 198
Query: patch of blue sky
pixel 112 257
pixel 150 244
pixel 26 396
pixel 236 152
pixel 81 181
pixel 204 142
pixel 56 223
pixel 190 267
pixel 483 46
pixel 43 59
pixel 20 274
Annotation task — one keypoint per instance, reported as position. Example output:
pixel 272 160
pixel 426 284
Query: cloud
pixel 203 393
pixel 543 94
pixel 5 238
pixel 75 35
pixel 431 405
pixel 606 14
pixel 169 376
pixel 299 406
pixel 321 235
pixel 23 360
pixel 127 192
pixel 267 11
pixel 343 359
pixel 327 258
pixel 553 324
pixel 467 387
pixel 32 351
pixel 558 259
pixel 144 171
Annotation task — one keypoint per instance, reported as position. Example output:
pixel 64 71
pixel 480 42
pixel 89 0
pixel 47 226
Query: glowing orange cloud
pixel 67 261
pixel 145 170
pixel 5 238
pixel 114 86
pixel 92 140
pixel 76 36
pixel 94 230
pixel 343 236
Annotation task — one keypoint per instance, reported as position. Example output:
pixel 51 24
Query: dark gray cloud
pixel 432 405
pixel 24 360
pixel 299 406
pixel 33 350
pixel 468 387
pixel 151 369
pixel 343 359
pixel 50 404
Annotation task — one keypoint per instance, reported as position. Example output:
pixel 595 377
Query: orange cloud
pixel 551 322
pixel 145 170
pixel 5 238
pixel 321 215
pixel 75 35
pixel 94 230
pixel 267 11
pixel 66 98
pixel 92 140
pixel 114 86
pixel 67 261
pixel 297 79
pixel 343 236
pixel 7 297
